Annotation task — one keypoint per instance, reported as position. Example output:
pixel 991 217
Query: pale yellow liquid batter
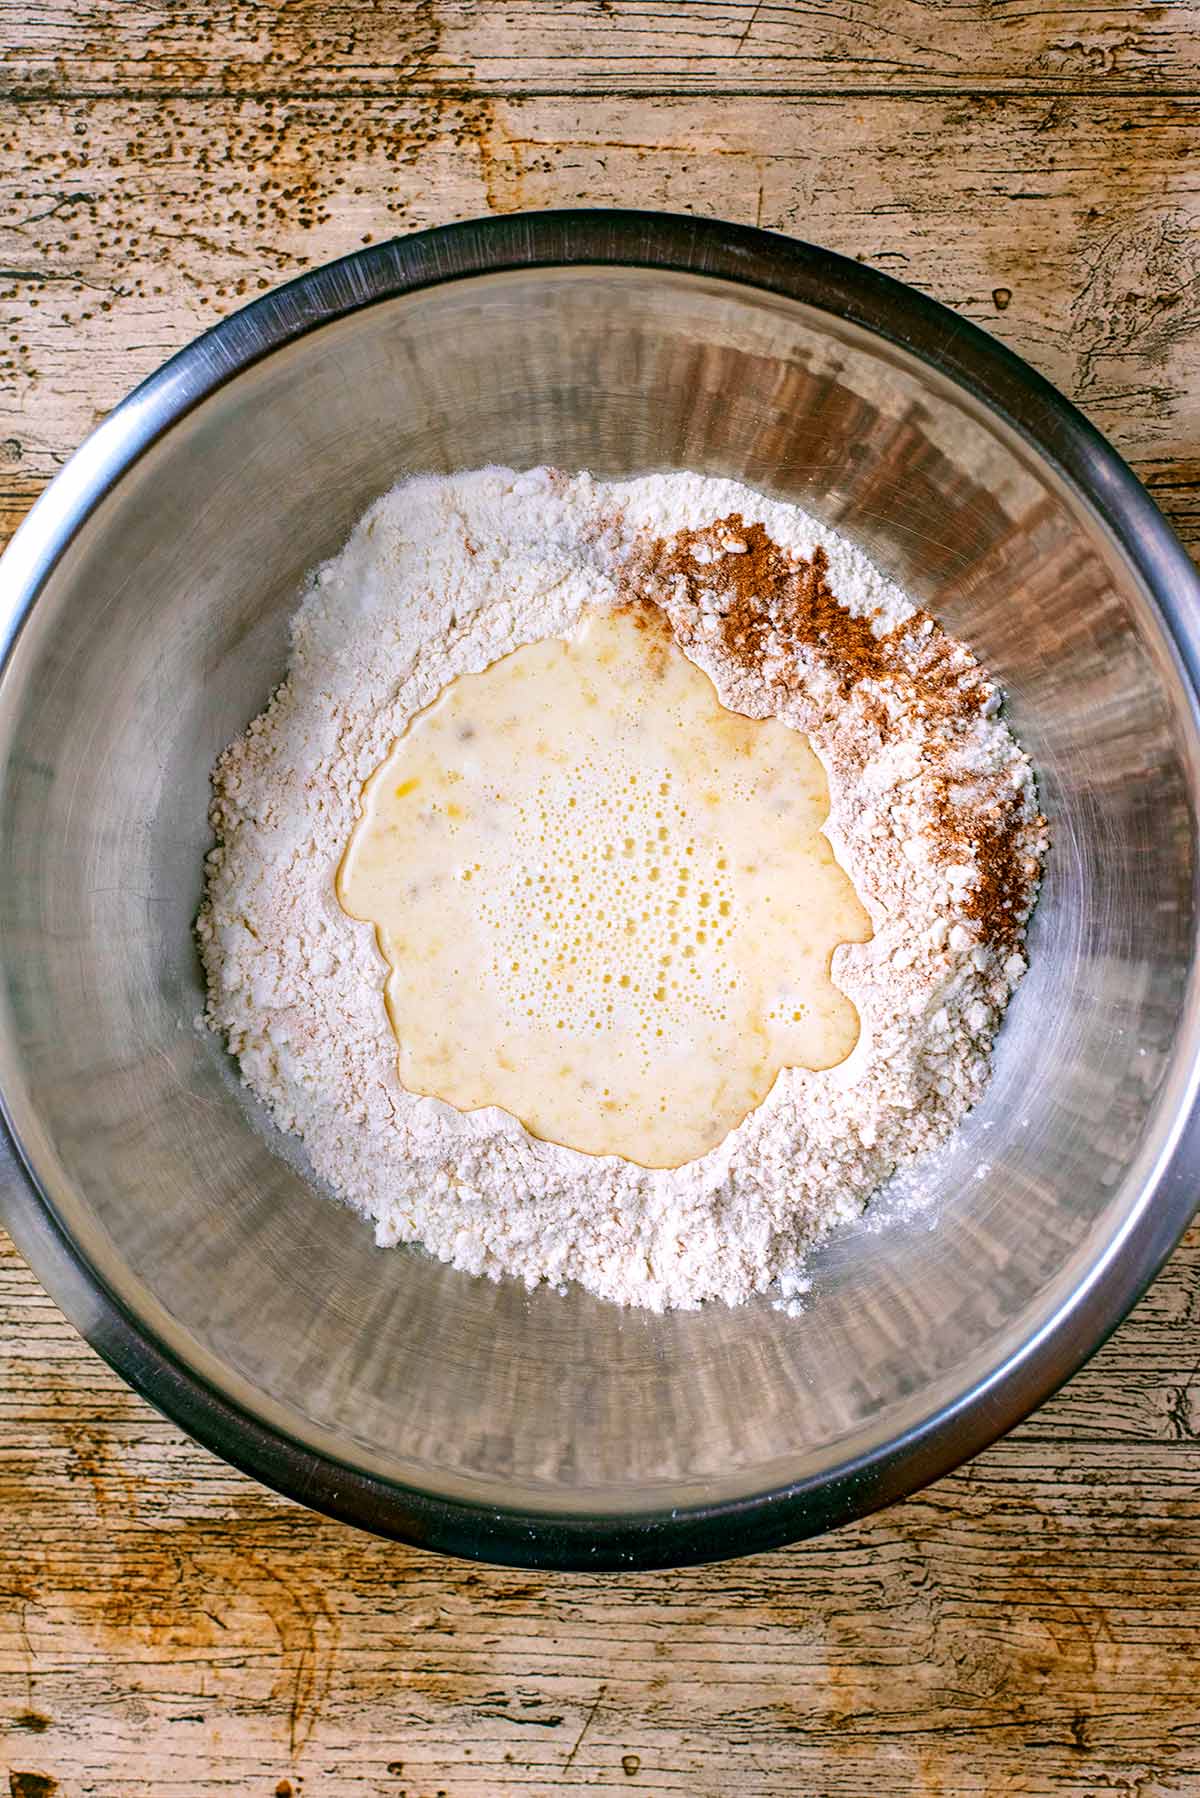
pixel 605 900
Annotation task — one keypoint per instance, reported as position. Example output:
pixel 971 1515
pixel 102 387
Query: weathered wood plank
pixel 1067 227
pixel 772 47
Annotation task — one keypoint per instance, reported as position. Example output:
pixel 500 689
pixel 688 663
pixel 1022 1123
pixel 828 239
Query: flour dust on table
pixel 625 882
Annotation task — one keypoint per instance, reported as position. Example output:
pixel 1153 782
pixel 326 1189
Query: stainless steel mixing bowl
pixel 145 607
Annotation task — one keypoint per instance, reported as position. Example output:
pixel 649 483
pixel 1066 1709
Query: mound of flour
pixel 443 576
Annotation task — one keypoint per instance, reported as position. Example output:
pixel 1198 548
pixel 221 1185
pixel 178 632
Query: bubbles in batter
pixel 605 901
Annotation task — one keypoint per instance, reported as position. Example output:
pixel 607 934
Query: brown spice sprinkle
pixel 771 605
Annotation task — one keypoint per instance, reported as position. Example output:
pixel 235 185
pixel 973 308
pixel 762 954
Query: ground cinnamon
pixel 777 616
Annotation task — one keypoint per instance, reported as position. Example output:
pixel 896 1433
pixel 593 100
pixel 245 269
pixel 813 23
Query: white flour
pixel 443 576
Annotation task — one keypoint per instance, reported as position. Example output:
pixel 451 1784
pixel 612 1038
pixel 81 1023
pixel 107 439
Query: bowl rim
pixel 1051 426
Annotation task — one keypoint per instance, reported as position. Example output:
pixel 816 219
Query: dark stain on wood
pixel 31 1785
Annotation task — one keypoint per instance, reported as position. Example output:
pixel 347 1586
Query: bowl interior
pixel 162 631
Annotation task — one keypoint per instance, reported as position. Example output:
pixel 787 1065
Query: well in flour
pixel 933 813
pixel 605 902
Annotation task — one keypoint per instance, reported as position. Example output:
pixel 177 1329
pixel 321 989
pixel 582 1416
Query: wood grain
pixel 129 225
pixel 602 47
pixel 1031 1624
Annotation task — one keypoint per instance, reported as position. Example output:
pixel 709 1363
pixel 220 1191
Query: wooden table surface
pixel 1029 1625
